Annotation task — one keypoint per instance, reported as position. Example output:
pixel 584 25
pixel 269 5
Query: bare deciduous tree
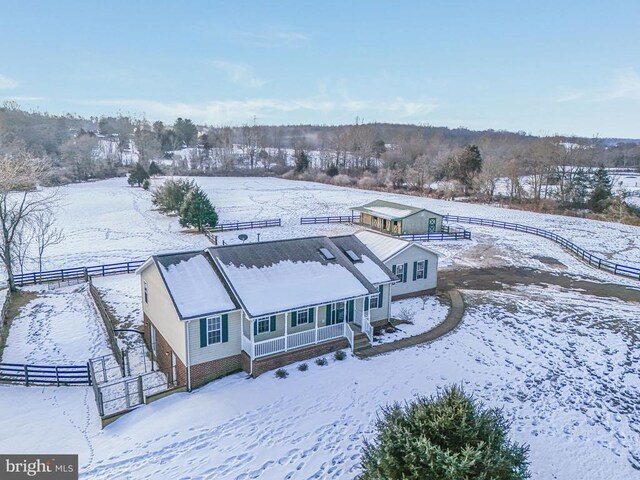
pixel 45 233
pixel 20 201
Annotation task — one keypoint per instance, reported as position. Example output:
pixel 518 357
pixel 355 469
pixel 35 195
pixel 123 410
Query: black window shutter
pixel 426 264
pixel 203 332
pixel 366 303
pixel 404 274
pixel 327 316
pixel 311 315
pixel 225 328
pixel 255 327
pixel 294 319
pixel 380 290
pixel 415 270
pixel 272 326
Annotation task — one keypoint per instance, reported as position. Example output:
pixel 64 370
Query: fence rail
pixel 587 257
pixel 633 193
pixel 427 237
pixel 335 219
pixel 224 227
pixel 64 274
pixel 109 323
pixel 45 374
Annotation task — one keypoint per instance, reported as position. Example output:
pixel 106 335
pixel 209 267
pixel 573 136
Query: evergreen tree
pixel 332 171
pixel 137 175
pixel 447 437
pixel 465 166
pixel 154 169
pixel 170 196
pixel 579 188
pixel 197 211
pixel 602 190
pixel 302 161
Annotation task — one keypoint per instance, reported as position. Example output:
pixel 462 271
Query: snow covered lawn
pixel 58 327
pixel 564 365
pixel 426 315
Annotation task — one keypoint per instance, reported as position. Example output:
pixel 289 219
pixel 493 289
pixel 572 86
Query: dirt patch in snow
pixel 504 278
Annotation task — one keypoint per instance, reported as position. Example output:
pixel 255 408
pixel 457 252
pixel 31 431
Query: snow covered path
pixel 59 327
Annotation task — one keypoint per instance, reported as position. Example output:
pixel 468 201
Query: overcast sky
pixel 541 67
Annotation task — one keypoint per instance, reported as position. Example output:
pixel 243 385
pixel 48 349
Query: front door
pixel 337 313
pixel 432 225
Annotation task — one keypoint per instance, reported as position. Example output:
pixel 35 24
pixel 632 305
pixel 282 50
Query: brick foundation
pixel 276 361
pixel 163 355
pixel 207 371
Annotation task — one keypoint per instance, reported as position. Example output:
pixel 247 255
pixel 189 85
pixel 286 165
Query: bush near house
pixel 281 373
pixel 450 436
pixel 321 362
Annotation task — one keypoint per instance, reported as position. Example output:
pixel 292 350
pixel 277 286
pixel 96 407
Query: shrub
pixel 281 373
pixel 146 184
pixel 339 355
pixel 367 182
pixel 449 436
pixel 390 329
pixel 341 180
pixel 303 367
pixel 321 361
pixel 406 315
pixel 332 171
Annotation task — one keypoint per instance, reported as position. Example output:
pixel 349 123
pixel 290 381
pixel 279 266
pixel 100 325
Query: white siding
pixel 409 256
pixel 215 351
pixel 161 311
pixel 381 313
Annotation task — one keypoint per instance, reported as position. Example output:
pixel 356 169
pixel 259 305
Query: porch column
pixel 286 329
pixel 253 343
pixel 317 320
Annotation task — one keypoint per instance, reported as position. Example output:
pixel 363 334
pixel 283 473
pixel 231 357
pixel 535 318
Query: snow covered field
pixel 108 221
pixel 58 327
pixel 564 364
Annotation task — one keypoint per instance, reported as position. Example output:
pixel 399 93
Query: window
pixel 146 292
pixel 214 330
pixel 302 316
pixel 263 325
pixel 421 270
pixel 373 302
pixel 154 341
pixel 399 271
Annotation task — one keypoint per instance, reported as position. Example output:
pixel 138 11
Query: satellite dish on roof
pixel 243 237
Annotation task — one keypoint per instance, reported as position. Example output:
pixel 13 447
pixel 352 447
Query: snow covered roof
pixel 385 246
pixel 388 210
pixel 278 276
pixel 368 263
pixel 193 284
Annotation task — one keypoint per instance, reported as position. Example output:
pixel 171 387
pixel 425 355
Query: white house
pixel 414 264
pixel 259 306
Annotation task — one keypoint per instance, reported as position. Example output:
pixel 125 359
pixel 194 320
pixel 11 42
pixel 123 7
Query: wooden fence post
pixel 26 375
pixel 57 377
pixel 140 390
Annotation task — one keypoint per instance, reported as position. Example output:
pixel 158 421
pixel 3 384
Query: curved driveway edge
pixel 449 324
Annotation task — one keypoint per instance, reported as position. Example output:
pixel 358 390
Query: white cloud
pixel 626 85
pixel 7 83
pixel 238 73
pixel 240 111
pixel 272 39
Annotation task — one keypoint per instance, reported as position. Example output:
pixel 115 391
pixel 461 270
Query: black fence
pixel 336 219
pixel 587 257
pixel 64 274
pixel 45 374
pixel 635 193
pixel 224 227
pixel 428 237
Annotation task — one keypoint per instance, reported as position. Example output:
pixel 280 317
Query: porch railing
pixel 293 341
pixel 349 333
pixel 367 328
